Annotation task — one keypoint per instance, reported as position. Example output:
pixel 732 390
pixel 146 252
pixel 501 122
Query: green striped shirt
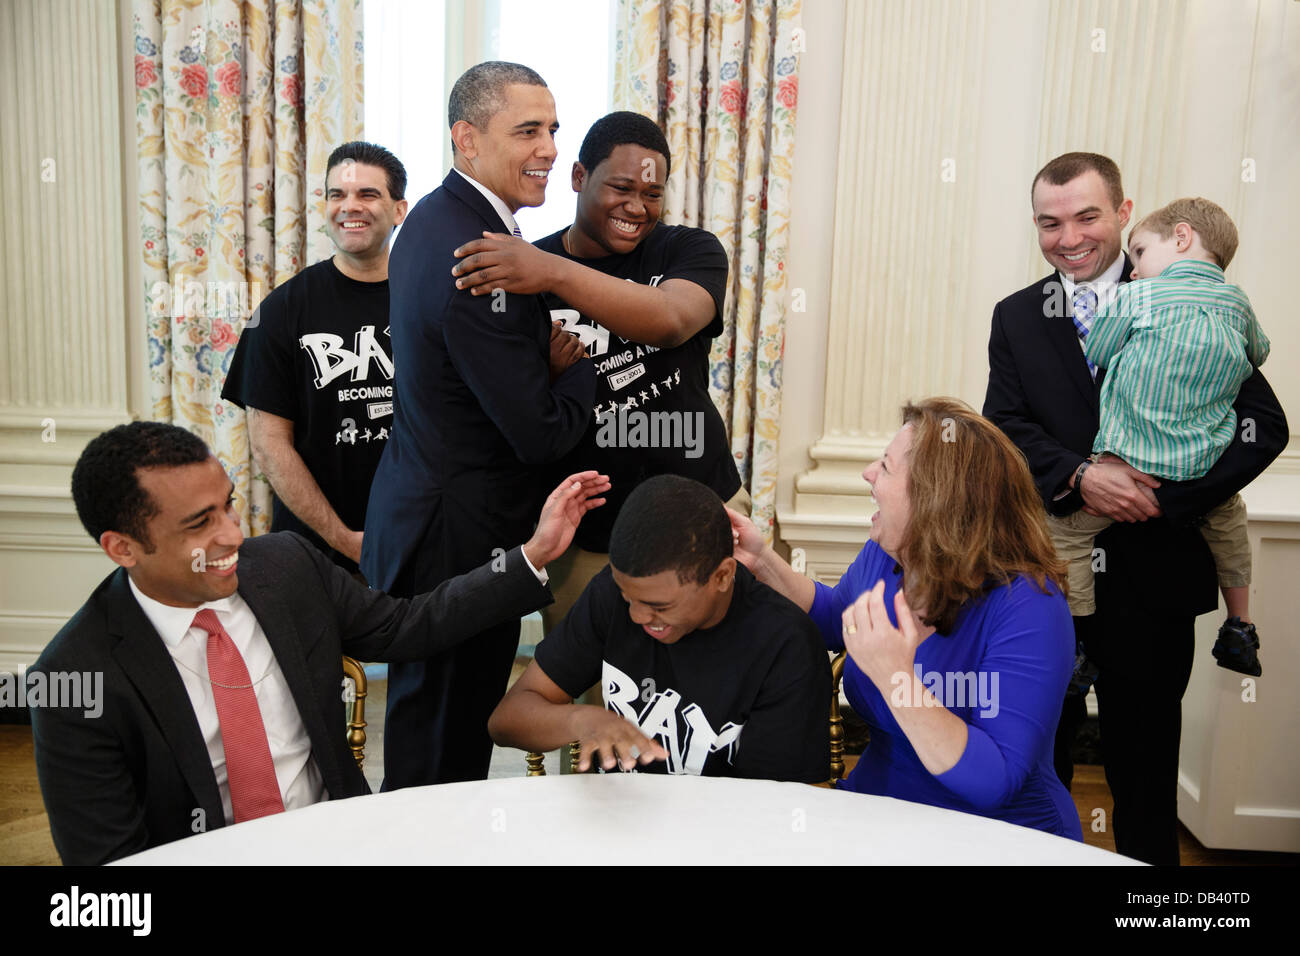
pixel 1176 349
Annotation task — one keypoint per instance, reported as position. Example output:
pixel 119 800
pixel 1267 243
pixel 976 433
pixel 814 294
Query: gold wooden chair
pixel 355 698
pixel 533 762
pixel 837 722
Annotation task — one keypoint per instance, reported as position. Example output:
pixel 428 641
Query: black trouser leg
pixel 1073 713
pixel 1144 671
pixel 435 729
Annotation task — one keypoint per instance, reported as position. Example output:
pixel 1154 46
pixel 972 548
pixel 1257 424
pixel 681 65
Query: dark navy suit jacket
pixel 136 775
pixel 1041 395
pixel 475 414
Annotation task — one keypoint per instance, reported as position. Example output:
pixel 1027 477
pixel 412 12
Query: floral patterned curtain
pixel 238 105
pixel 722 79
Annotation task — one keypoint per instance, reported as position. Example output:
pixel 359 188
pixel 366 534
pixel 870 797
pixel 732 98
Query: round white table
pixel 642 819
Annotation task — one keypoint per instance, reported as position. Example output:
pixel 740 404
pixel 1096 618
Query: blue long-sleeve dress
pixel 1003 670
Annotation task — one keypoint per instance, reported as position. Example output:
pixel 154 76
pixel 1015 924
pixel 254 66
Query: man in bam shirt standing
pixel 313 370
pixel 703 669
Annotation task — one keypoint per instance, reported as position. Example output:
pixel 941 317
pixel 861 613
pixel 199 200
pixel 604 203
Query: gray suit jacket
pixel 138 775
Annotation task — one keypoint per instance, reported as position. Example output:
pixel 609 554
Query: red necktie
pixel 250 772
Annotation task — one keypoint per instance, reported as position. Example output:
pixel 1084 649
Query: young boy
pixel 703 669
pixel 1176 343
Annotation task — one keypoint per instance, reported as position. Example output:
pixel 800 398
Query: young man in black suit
pixel 1158 572
pixel 479 407
pixel 173 746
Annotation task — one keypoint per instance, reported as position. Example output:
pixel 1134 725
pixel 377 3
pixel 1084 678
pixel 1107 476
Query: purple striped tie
pixel 1084 303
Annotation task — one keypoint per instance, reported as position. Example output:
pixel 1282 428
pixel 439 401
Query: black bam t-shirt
pixel 749 697
pixel 317 352
pixel 632 377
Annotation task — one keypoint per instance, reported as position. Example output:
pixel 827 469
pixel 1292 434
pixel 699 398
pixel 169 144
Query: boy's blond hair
pixel 1212 224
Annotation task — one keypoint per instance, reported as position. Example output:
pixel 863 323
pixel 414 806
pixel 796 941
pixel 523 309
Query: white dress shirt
pixel 295 770
pixel 502 209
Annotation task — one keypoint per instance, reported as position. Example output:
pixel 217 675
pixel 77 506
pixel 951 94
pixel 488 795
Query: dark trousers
pixel 1145 663
pixel 435 729
pixel 435 726
pixel 1074 711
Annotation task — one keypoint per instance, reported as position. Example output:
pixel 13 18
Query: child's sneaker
pixel 1237 648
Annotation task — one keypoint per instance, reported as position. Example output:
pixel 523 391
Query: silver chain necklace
pixel 205 677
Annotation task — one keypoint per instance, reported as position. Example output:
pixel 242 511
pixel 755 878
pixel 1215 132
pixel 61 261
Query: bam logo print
pixel 593 337
pixel 687 750
pixel 330 359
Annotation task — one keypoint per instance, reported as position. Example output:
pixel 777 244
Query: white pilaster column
pixel 905 193
pixel 66 349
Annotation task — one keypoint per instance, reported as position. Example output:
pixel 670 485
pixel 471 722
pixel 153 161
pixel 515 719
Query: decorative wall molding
pixel 909 100
pixel 51 435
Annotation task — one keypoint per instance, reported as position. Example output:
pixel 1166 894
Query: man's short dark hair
pixel 371 155
pixel 1070 166
pixel 105 487
pixel 480 93
pixel 670 523
pixel 619 129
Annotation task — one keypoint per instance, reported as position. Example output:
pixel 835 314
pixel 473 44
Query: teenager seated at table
pixel 702 669
pixel 959 638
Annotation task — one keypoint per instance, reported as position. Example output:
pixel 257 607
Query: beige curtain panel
pixel 722 79
pixel 238 105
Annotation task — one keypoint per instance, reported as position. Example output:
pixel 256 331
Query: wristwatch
pixel 1078 474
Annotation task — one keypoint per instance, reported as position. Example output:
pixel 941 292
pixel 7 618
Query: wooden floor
pixel 25 833
pixel 24 828
pixel 1090 793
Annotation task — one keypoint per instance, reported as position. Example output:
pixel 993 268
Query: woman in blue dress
pixel 959 639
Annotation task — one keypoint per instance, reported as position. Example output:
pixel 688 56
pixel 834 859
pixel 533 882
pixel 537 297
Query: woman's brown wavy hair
pixel 976 518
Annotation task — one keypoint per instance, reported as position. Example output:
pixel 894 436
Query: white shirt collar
pixel 502 209
pixel 173 623
pixel 1105 285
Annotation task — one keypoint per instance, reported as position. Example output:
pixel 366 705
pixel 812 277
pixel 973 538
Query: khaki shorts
pixel 1224 531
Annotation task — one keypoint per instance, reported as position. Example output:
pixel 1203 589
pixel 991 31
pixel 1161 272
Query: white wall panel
pixel 64 368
